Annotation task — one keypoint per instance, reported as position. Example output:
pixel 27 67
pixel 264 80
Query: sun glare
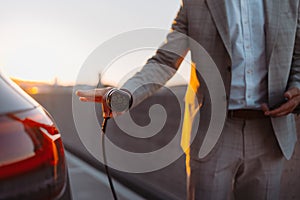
pixel 33 90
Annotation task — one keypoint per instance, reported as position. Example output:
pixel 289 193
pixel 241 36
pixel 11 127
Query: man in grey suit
pixel 255 45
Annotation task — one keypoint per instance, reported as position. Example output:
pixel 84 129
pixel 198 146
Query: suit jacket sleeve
pixel 294 79
pixel 163 65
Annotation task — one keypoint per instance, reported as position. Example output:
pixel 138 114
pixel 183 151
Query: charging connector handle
pixel 118 100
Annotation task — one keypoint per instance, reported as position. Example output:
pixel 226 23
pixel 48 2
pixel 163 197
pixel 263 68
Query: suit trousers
pixel 246 163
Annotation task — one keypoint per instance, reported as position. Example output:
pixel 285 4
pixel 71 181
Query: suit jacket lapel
pixel 218 11
pixel 272 8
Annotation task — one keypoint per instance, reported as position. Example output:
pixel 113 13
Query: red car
pixel 32 160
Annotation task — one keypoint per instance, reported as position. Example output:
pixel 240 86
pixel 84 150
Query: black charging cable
pixel 112 188
pixel 118 101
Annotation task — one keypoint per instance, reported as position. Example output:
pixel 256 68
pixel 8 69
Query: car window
pixel 11 100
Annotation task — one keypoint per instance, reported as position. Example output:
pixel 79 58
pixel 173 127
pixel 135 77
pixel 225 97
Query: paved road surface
pixel 88 183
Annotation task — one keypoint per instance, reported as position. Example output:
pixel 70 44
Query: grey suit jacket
pixel 205 22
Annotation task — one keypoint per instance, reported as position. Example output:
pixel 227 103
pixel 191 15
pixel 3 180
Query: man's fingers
pixel 264 108
pixel 293 97
pixel 95 95
pixel 90 93
pixel 85 93
pixel 291 93
pixel 87 99
pixel 97 99
pixel 281 111
pixel 285 108
pixel 84 99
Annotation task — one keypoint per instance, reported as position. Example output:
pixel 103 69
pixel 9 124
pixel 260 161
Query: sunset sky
pixel 41 40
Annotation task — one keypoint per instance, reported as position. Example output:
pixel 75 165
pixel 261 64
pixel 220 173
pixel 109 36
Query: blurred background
pixel 45 43
pixel 49 41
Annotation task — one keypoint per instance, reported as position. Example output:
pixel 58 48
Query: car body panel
pixel 32 159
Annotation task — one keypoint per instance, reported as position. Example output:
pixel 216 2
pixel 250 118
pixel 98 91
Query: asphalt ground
pixel 89 183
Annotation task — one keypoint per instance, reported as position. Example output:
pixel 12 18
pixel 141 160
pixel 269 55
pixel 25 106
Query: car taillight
pixel 30 144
